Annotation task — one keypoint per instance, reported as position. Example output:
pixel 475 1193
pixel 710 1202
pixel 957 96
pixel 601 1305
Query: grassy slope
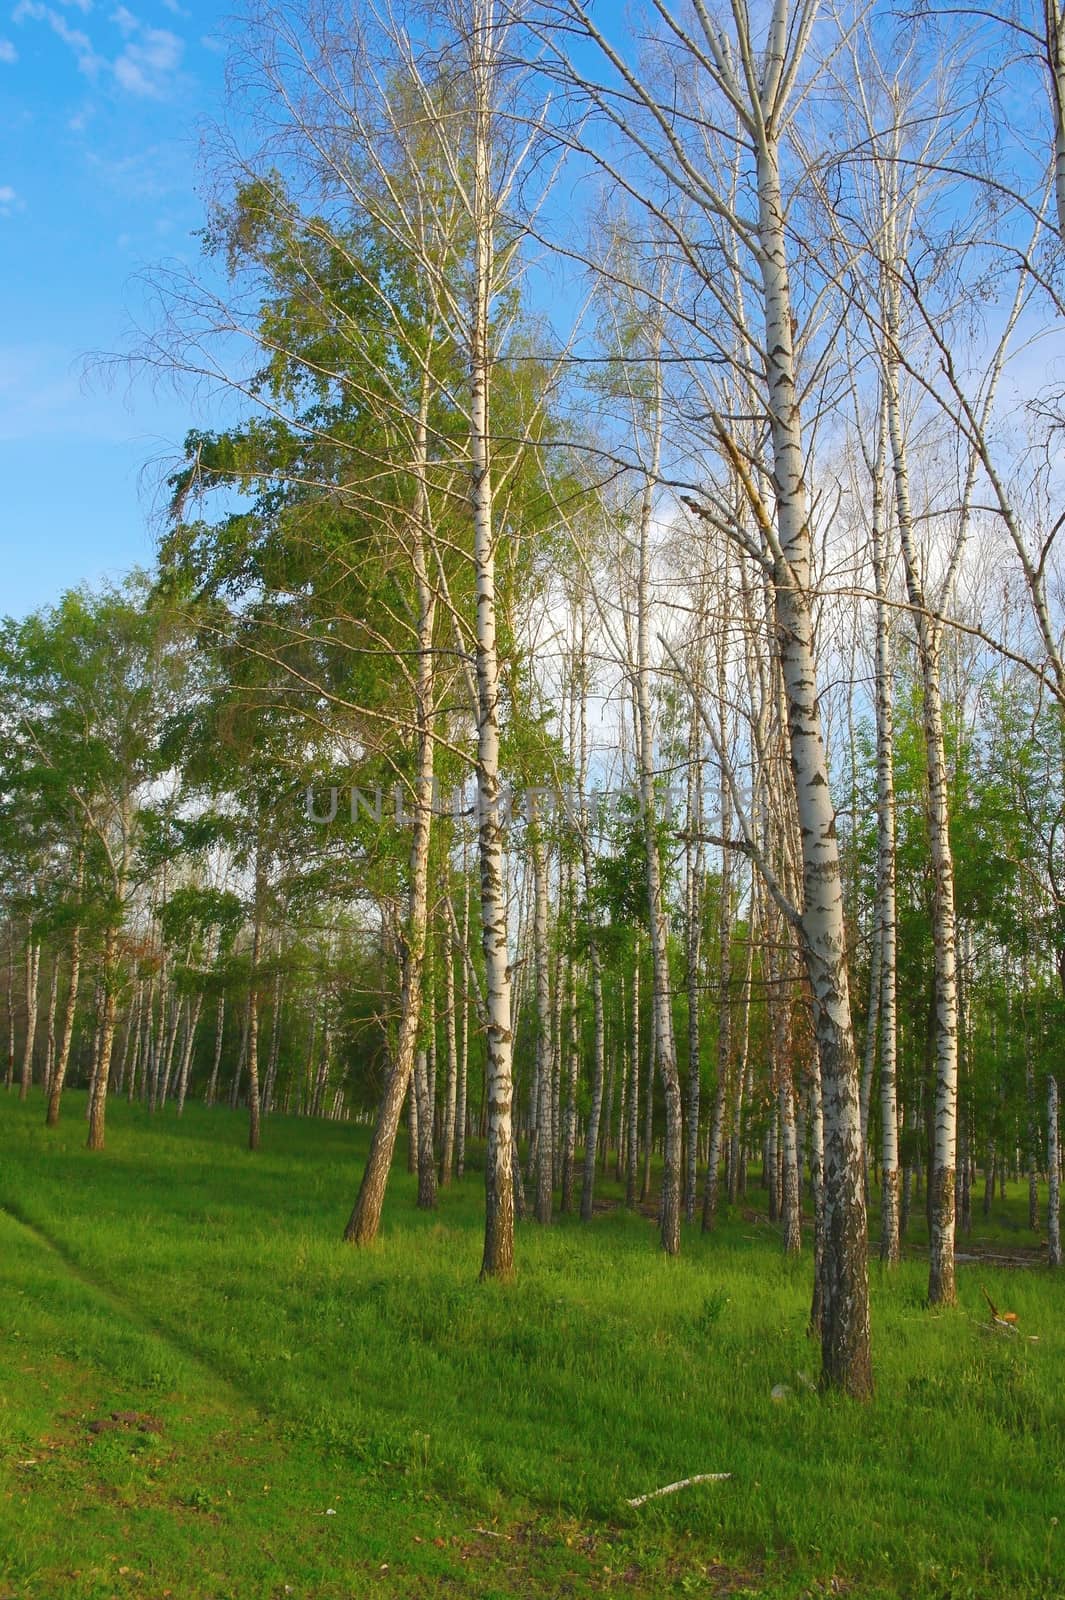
pixel 473 1440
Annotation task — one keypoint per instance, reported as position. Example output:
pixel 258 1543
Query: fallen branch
pixel 671 1488
pixel 1003 1320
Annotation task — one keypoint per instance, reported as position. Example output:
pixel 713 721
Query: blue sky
pixel 102 107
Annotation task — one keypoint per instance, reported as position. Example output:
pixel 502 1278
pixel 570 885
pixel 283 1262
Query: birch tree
pixel 748 76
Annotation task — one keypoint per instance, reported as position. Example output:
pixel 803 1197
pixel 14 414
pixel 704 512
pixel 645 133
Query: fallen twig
pixel 671 1488
pixel 1000 1327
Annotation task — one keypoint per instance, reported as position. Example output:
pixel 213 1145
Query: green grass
pixel 479 1440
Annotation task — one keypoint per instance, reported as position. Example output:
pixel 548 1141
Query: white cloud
pixel 88 61
pixel 145 63
pixel 7 51
pixel 7 194
pixel 178 10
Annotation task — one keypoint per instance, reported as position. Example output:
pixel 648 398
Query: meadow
pixel 307 1420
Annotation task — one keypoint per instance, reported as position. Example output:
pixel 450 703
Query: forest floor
pixel 300 1419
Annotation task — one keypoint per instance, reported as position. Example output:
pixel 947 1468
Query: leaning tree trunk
pixel 366 1215
pixel 59 1076
pixel 186 1055
pixel 106 1035
pixel 220 1023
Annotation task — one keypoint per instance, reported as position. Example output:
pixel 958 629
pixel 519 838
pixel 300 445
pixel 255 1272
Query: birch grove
pixel 601 701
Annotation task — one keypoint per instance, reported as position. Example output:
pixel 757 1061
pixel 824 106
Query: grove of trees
pixel 602 697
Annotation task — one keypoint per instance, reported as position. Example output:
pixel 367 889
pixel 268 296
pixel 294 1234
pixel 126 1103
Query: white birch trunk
pixel 55 1092
pixel 941 1285
pixel 498 1258
pixel 887 918
pixel 33 967
pixel 186 1056
pixel 845 1345
pixel 447 1154
pixel 662 1004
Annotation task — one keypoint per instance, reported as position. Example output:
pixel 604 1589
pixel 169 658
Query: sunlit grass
pixel 207 1286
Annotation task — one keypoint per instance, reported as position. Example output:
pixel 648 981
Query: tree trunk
pixel 634 1090
pixel 98 1094
pixel 724 998
pixel 817 1184
pixel 845 1347
pixel 1054 1174
pixel 887 919
pixel 498 1258
pixel 569 1145
pixel 220 1023
pixel 790 1197
pixel 663 1045
pixel 186 1055
pixel 461 1114
pixel 9 1075
pixel 275 1040
pixel 545 1140
pixel 941 1286
pixel 426 1160
pixel 53 1002
pixel 366 1214
pixel 447 1155
pixel 59 1076
pixel 33 966
pixel 693 901
pixel 592 1134
pixel 1054 29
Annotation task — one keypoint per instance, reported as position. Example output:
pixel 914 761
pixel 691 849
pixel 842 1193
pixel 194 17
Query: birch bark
pixel 498 1257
